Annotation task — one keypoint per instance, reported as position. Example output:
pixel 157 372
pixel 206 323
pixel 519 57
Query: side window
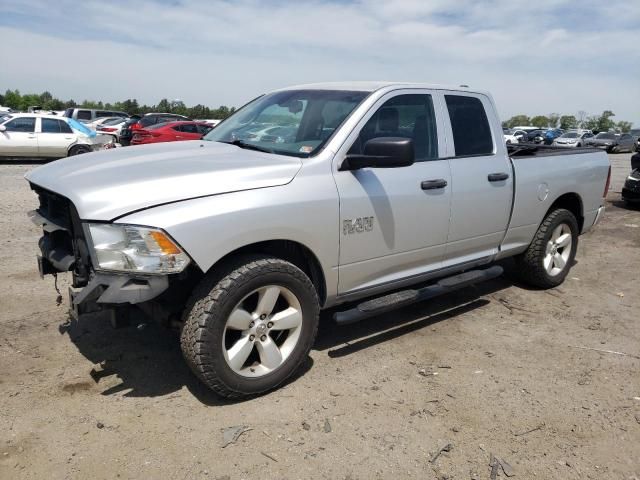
pixel 409 116
pixel 101 114
pixel 64 126
pixel 84 115
pixel 189 128
pixel 471 132
pixel 49 125
pixel 204 129
pixel 21 124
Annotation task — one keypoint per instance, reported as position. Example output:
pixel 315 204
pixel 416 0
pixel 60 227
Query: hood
pixel 108 184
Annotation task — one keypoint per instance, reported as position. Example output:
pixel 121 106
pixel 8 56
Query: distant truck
pixel 386 194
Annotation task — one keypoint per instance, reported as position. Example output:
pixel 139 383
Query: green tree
pixel 624 126
pixel 591 123
pixel 604 121
pixel 568 121
pixel 12 99
pixel 540 121
pixel 517 121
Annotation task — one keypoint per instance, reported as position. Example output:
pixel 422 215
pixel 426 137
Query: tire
pixel 78 150
pixel 533 265
pixel 237 311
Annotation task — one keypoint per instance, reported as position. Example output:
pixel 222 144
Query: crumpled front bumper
pixel 107 290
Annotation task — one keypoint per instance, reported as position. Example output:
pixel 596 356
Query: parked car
pixel 87 115
pixel 509 137
pixel 624 143
pixel 602 140
pixel 535 136
pixel 170 132
pixel 243 242
pixel 112 127
pixel 631 189
pixel 612 142
pixel 572 139
pixel 147 120
pixel 46 136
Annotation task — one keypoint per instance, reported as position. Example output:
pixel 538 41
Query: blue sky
pixel 548 56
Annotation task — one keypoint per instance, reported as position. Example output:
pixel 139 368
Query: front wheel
pixel 547 261
pixel 247 332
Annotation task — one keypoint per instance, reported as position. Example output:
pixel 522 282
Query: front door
pixel 394 221
pixel 482 187
pixel 19 138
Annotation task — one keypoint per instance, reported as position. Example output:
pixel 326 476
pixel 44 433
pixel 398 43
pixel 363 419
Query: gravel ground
pixel 497 369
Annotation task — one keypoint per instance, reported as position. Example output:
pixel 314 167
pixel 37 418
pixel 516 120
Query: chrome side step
pixel 402 298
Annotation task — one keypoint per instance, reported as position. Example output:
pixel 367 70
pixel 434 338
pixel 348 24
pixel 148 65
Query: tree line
pixel 16 101
pixel 599 123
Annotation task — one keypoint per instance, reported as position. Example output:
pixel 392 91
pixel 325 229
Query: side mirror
pixel 3 128
pixel 382 152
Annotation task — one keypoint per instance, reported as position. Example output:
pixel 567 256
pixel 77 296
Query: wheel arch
pixel 289 250
pixel 569 201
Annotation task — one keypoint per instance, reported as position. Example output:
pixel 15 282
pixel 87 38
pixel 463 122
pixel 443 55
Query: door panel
pixel 19 139
pixel 482 181
pixel 408 224
pixel 54 138
pixel 392 228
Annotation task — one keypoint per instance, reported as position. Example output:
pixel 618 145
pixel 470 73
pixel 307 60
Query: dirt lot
pixel 497 369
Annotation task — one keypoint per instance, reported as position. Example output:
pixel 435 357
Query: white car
pixel 575 138
pixel 510 137
pixel 47 136
pixel 112 127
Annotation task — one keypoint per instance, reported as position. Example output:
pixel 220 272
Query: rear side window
pixel 101 114
pixel 146 121
pixel 68 113
pixel 189 128
pixel 49 125
pixel 471 132
pixel 21 124
pixel 84 115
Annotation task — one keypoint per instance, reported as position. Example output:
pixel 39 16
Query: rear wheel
pixel 548 259
pixel 247 331
pixel 78 150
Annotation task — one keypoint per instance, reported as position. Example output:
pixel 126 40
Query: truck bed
pixel 541 178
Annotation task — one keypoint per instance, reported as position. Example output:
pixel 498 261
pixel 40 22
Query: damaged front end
pixel 66 246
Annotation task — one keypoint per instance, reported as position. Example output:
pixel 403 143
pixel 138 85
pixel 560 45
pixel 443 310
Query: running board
pixel 396 300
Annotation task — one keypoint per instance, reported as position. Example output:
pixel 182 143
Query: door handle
pixel 433 184
pixel 497 177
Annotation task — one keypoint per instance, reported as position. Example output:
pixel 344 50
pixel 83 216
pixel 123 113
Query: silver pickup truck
pixel 375 194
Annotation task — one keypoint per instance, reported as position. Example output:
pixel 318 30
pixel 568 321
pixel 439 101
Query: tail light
pixel 136 126
pixel 108 129
pixel 606 185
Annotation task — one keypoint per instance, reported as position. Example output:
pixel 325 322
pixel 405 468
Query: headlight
pixel 129 248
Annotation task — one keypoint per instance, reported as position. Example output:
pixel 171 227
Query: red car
pixel 170 132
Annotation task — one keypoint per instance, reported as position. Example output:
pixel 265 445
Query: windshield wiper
pixel 249 146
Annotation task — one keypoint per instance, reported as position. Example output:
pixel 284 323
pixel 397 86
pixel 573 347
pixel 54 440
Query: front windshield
pixel 606 136
pixel 569 135
pixel 291 122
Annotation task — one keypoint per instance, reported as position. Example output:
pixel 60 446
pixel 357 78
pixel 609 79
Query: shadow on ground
pixel 146 357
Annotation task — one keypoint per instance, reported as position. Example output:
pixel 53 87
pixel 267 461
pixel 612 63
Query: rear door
pixel 394 221
pixel 54 138
pixel 189 131
pixel 19 139
pixel 482 181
